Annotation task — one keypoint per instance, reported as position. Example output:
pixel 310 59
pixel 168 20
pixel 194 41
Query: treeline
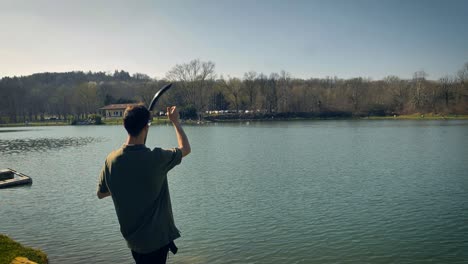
pixel 198 89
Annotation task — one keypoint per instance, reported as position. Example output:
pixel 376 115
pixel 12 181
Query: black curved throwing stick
pixel 157 95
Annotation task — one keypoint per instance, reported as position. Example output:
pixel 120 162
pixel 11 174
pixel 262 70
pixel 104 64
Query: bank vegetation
pixel 201 93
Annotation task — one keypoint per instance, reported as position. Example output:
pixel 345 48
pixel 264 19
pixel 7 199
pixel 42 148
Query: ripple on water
pixel 306 192
pixel 17 146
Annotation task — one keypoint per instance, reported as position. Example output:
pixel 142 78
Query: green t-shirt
pixel 137 180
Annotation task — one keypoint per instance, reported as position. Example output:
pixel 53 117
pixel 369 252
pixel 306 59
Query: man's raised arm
pixel 182 139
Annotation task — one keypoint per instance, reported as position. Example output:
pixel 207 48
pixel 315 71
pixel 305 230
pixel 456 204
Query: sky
pixel 308 39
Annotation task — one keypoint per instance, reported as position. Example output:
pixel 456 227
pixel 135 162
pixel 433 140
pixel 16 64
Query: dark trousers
pixel 156 257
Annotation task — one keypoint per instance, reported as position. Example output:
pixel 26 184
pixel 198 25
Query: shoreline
pixel 426 118
pixel 10 249
pixel 224 119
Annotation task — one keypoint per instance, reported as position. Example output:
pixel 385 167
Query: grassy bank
pixel 9 249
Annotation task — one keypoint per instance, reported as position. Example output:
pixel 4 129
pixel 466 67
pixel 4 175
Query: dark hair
pixel 135 118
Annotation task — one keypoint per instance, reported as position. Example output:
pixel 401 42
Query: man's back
pixel 137 180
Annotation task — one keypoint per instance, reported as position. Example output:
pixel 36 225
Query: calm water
pixel 288 192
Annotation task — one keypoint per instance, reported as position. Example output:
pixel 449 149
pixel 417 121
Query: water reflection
pixel 15 146
pixel 12 130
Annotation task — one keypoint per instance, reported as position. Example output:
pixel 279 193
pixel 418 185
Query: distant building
pixel 114 110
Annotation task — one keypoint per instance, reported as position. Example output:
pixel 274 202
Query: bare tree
pixel 304 98
pixel 397 89
pixel 233 87
pixel 60 102
pixel 356 92
pixel 446 85
pixel 284 91
pixel 85 99
pixel 147 91
pixel 332 92
pixel 462 91
pixel 141 76
pixel 261 82
pixel 270 92
pixel 13 92
pixel 419 94
pixel 194 78
pixel 249 84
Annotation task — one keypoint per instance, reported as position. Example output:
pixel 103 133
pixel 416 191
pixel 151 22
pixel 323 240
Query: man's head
pixel 136 118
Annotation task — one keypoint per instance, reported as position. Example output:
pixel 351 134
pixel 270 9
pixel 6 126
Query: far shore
pixel 394 117
pixel 224 119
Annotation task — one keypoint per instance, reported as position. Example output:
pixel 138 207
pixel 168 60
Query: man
pixel 136 179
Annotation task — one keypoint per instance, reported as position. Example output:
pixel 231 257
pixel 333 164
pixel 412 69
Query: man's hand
pixel 173 114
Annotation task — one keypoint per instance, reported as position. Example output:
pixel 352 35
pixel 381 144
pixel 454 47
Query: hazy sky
pixel 346 38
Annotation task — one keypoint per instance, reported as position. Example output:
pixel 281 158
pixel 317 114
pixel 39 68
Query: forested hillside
pixel 199 89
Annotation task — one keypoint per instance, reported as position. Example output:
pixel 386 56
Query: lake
pixel 391 191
